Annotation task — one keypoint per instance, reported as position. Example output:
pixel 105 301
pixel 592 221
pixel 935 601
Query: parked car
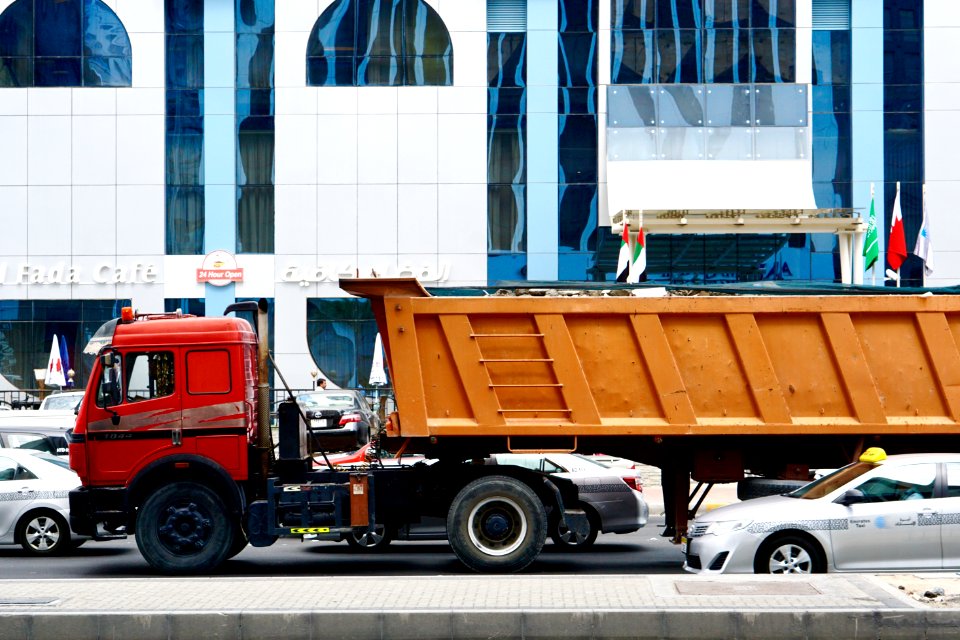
pixel 612 505
pixel 52 441
pixel 338 420
pixel 896 513
pixel 34 507
pixel 63 401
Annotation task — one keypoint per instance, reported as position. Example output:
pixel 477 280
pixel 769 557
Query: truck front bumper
pixel 99 512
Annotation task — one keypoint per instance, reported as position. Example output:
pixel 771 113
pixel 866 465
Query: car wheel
pixel 573 540
pixel 496 524
pixel 184 528
pixel 362 539
pixel 789 554
pixel 43 533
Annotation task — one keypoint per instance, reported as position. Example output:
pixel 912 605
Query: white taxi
pixel 896 513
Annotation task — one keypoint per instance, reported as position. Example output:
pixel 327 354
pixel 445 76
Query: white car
pixel 34 503
pixel 897 513
pixel 64 401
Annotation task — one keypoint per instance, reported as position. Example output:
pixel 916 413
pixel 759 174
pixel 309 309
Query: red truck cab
pixel 168 395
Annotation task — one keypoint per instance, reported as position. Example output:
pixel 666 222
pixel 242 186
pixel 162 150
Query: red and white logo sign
pixel 219 268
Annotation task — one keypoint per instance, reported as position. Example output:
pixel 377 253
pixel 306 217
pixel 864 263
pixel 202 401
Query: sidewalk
pixel 516 606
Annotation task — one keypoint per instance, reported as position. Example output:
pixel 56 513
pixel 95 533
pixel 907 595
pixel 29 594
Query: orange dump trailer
pixel 713 386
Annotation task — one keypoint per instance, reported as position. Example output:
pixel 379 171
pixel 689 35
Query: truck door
pixel 137 413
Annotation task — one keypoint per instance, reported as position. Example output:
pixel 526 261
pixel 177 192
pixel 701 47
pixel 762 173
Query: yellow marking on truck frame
pixel 310 530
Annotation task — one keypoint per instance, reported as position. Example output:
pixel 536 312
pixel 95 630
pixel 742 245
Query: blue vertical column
pixel 866 106
pixel 542 142
pixel 219 136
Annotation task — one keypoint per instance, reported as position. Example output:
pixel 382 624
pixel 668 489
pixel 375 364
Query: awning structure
pixel 846 224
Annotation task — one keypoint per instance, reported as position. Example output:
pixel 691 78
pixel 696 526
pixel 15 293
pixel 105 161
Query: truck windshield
pixel 102 338
pixel 832 481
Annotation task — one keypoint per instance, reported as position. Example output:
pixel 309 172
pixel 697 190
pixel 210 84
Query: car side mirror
pixel 851 496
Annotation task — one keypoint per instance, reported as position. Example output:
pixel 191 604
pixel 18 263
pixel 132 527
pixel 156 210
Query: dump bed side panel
pixel 527 366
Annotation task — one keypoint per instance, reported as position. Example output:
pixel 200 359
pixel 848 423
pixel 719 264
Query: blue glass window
pixel 578 15
pixel 341 335
pixel 633 14
pixel 634 57
pixel 726 57
pixel 773 13
pixel 506 56
pixel 726 14
pixel 678 56
pixel 255 105
pixel 379 42
pixel 577 61
pixel 63 43
pixel 679 14
pixel 185 200
pixel 774 55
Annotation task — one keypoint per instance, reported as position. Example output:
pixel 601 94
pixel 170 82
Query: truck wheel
pixel 43 533
pixel 496 524
pixel 239 542
pixel 184 528
pixel 788 554
pixel 362 540
pixel 573 540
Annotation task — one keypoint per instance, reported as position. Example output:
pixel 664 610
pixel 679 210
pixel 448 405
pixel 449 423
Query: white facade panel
pixel 336 100
pixel 417 149
pixel 48 221
pixel 463 99
pixel 941 13
pixel 299 15
pixel 378 100
pixel 48 161
pixel 94 218
pixel 377 218
pixel 462 15
pixel 141 102
pixel 140 218
pixel 337 221
pixel 48 101
pixel 148 60
pixel 462 224
pixel 296 150
pixel 337 149
pixel 94 102
pixel 469 58
pixel 940 44
pixel 417 218
pixel 13 102
pixel 140 16
pixel 140 150
pixel 295 219
pixel 376 148
pixel 290 51
pixel 13 240
pixel 417 100
pixel 94 150
pixel 296 100
pixel 462 148
pixel 13 152
pixel 464 269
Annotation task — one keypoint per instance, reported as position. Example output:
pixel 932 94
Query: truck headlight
pixel 724 527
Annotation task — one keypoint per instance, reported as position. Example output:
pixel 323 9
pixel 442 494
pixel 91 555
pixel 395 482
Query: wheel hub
pixel 496 526
pixel 184 528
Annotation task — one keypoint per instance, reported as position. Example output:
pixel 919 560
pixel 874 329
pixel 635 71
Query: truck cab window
pixel 149 375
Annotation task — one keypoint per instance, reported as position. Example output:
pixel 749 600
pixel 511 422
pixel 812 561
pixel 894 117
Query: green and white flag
pixel 871 245
pixel 623 261
pixel 638 264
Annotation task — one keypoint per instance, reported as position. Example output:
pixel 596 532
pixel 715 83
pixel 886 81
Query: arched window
pixel 63 43
pixel 379 43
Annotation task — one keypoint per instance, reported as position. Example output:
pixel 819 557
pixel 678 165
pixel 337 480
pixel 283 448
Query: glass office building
pixel 284 145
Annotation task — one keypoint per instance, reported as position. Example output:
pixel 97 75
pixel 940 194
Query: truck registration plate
pixel 683 545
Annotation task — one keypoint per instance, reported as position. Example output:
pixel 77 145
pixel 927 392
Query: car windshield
pixel 62 402
pixel 60 461
pixel 591 461
pixel 832 481
pixel 327 401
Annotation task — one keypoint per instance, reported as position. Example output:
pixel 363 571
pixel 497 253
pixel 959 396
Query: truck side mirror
pixel 110 384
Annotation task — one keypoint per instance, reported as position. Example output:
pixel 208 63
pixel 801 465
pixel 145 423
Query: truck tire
pixel 362 540
pixel 750 488
pixel 571 540
pixel 496 524
pixel 184 528
pixel 43 533
pixel 239 542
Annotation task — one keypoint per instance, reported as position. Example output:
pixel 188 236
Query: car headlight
pixel 723 527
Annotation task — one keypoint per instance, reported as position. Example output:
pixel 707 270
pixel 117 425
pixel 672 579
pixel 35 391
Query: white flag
pixel 55 366
pixel 924 248
pixel 377 374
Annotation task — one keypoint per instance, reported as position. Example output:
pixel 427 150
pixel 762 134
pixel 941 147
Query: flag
pixel 65 359
pixel 924 248
pixel 871 244
pixel 378 376
pixel 55 365
pixel 897 244
pixel 623 262
pixel 639 262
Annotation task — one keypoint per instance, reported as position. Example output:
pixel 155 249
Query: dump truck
pixel 757 389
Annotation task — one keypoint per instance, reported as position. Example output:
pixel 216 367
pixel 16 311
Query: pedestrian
pixel 322 383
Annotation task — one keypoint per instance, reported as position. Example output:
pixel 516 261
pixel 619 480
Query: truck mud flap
pixel 259 524
pixel 577 522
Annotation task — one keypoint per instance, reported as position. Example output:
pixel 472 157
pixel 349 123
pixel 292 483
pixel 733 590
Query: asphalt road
pixel 643 552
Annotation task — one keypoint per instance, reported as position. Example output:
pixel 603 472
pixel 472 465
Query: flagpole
pixel 873 268
pixel 923 208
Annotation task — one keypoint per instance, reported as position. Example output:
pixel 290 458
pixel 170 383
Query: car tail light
pixel 634 483
pixel 347 418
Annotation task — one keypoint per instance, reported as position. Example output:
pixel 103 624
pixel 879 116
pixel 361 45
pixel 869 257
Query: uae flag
pixel 639 262
pixel 624 261
pixel 897 244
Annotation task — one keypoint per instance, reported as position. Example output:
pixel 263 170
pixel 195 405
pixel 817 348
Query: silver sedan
pixel 897 513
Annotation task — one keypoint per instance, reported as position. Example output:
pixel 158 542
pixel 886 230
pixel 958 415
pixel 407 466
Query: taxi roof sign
pixel 874 455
